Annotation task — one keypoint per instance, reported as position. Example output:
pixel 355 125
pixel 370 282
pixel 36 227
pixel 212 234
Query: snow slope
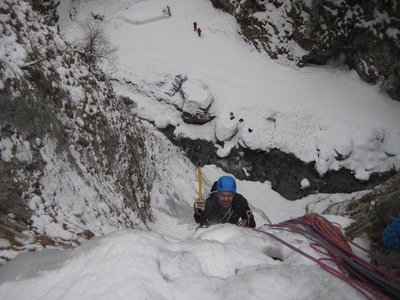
pixel 312 107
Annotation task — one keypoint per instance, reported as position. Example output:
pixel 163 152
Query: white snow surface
pixel 316 113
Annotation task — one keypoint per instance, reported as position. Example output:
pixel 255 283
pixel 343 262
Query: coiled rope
pixel 327 239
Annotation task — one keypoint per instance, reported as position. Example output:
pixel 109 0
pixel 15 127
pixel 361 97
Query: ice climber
pixel 224 205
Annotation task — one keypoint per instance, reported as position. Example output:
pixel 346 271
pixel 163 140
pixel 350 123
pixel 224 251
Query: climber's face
pixel 225 198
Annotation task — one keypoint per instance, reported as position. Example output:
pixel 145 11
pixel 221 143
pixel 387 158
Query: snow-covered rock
pixel 226 126
pixel 251 139
pixel 305 183
pixel 197 102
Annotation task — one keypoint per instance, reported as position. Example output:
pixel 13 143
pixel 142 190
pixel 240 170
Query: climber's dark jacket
pixel 214 213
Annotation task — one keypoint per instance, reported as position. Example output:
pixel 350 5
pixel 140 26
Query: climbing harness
pixel 327 239
pixel 227 216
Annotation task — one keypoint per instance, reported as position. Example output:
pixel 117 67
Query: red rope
pixel 330 270
pixel 328 236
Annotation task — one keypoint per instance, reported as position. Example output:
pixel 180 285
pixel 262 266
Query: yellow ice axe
pixel 200 181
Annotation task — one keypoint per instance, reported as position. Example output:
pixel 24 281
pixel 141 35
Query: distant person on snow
pixel 195 26
pixel 199 31
pixel 224 205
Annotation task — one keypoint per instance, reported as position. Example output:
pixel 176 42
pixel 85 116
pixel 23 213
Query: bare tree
pixel 95 46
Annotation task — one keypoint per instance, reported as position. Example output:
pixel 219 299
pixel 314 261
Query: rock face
pixel 372 213
pixel 363 35
pixel 74 161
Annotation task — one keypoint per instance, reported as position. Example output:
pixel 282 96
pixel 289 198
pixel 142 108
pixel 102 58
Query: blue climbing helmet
pixel 226 183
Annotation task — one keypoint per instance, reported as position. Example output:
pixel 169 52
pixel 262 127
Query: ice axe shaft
pixel 199 179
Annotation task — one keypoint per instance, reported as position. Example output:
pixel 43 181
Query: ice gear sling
pixel 328 239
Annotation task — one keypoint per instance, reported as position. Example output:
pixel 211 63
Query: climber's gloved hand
pixel 199 206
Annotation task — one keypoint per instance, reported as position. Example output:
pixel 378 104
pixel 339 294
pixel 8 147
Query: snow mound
pixel 364 150
pixel 221 262
pixel 226 127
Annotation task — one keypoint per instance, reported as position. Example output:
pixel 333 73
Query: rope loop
pixel 328 240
